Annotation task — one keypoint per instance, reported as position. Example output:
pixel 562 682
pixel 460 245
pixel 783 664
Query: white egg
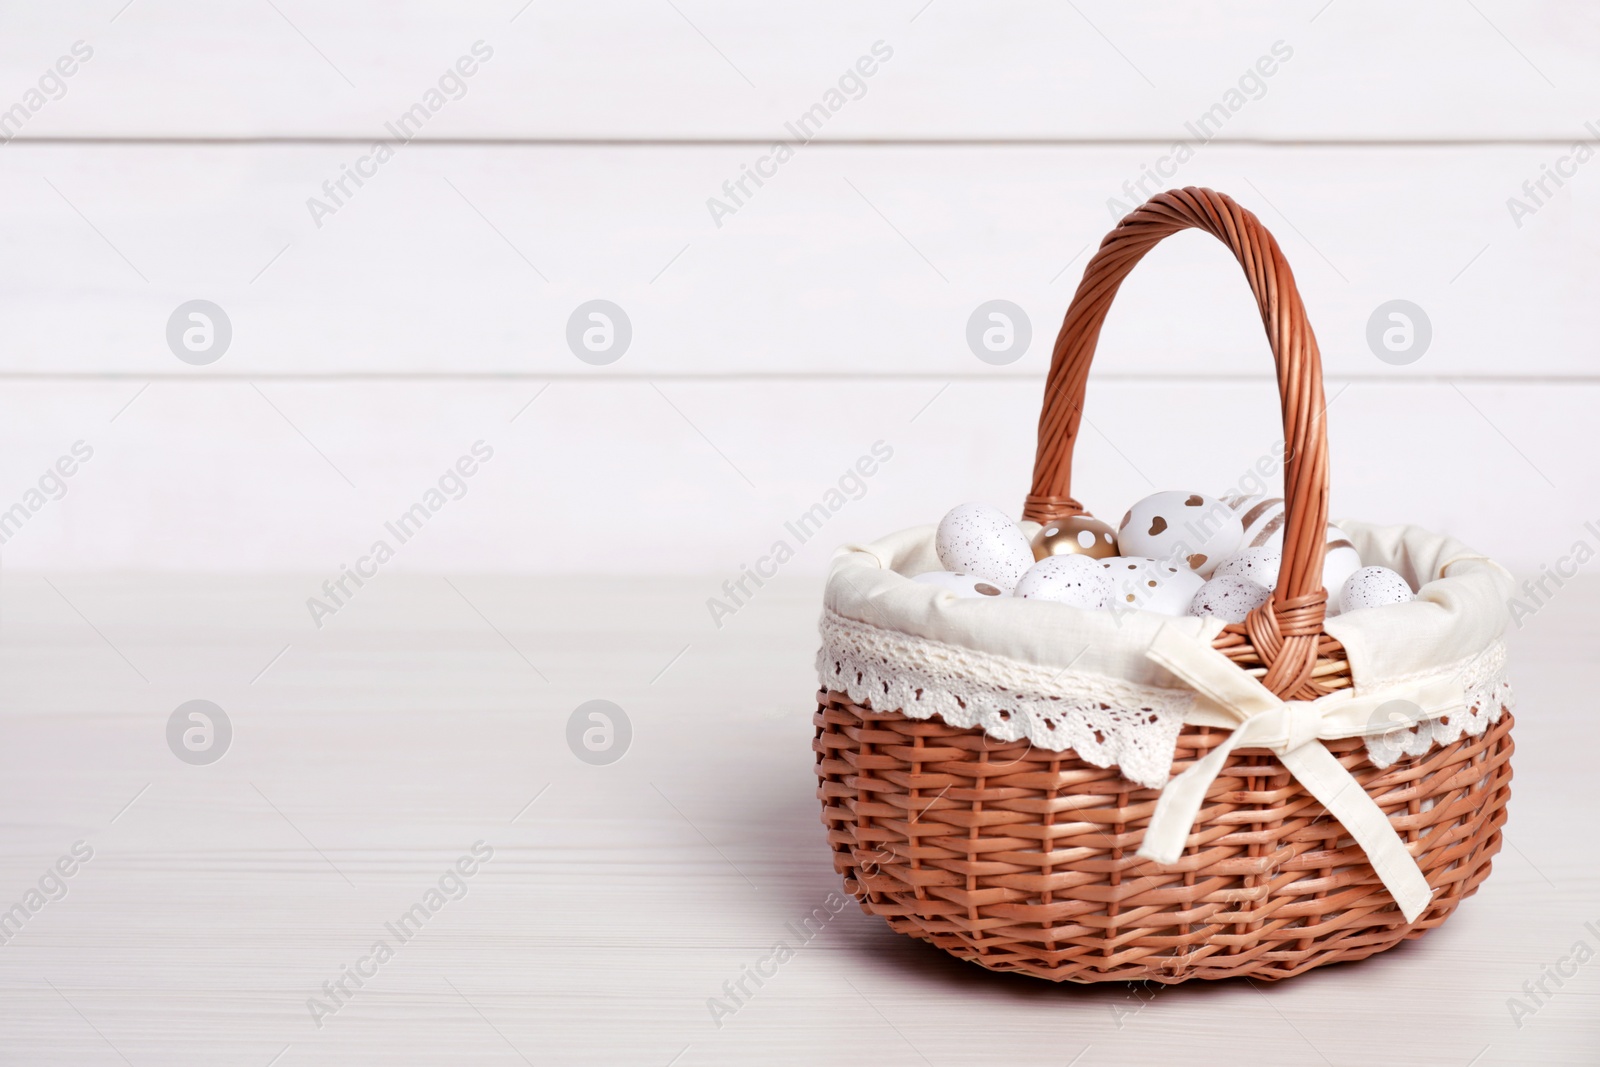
pixel 1263 546
pixel 1340 562
pixel 964 585
pixel 1259 565
pixel 981 540
pixel 1076 580
pixel 1229 598
pixel 1187 529
pixel 1261 517
pixel 1152 584
pixel 1374 587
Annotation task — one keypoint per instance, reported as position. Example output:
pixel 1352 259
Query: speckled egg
pixel 964 585
pixel 1076 580
pixel 1374 587
pixel 1152 584
pixel 981 540
pixel 1189 529
pixel 1259 565
pixel 1075 535
pixel 1229 598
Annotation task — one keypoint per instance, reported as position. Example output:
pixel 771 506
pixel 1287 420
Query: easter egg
pixel 1374 587
pixel 1338 564
pixel 1075 535
pixel 980 540
pixel 1188 529
pixel 1262 518
pixel 1259 565
pixel 1229 598
pixel 962 585
pixel 1152 584
pixel 1077 580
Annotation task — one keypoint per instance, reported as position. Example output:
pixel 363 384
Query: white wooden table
pixel 369 756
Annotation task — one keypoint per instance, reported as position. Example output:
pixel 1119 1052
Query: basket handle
pixel 1285 630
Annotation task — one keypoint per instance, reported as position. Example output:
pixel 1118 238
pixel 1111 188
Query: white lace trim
pixel 1488 697
pixel 1106 721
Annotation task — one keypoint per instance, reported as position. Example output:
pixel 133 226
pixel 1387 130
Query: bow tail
pixel 1168 832
pixel 1326 779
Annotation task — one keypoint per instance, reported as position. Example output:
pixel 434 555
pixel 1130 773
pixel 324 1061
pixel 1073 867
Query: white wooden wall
pixel 827 313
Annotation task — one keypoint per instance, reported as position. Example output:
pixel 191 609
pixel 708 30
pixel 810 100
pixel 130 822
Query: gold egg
pixel 1080 535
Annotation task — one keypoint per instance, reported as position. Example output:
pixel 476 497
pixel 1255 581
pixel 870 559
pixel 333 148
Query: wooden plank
pixel 852 260
pixel 701 477
pixel 716 69
pixel 364 764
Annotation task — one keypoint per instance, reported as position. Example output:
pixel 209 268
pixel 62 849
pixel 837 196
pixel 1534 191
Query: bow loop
pixel 1292 730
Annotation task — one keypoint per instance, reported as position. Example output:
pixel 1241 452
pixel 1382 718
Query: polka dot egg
pixel 1075 535
pixel 1151 584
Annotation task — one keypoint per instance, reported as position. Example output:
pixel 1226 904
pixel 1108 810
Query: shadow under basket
pixel 1021 859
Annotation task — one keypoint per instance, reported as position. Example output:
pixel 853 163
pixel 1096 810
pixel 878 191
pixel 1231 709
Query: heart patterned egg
pixel 1187 529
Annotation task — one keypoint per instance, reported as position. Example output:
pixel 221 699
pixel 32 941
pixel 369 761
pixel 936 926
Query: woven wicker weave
pixel 1022 859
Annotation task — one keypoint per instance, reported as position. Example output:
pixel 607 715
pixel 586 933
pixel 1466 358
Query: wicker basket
pixel 1023 859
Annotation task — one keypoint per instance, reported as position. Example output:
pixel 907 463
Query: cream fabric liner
pixel 1459 612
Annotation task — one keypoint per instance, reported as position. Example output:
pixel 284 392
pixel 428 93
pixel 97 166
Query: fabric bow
pixel 1291 730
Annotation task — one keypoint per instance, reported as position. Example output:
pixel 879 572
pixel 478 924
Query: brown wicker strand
pixel 1270 885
